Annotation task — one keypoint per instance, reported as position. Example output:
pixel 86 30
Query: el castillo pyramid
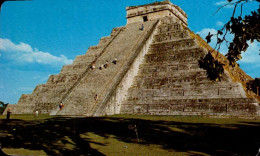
pixel 149 66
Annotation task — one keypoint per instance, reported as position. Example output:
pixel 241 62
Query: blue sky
pixel 38 37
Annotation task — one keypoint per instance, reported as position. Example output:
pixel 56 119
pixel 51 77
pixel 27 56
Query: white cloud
pixel 222 3
pixel 204 32
pixel 7 45
pixel 219 23
pixel 23 52
pixel 252 54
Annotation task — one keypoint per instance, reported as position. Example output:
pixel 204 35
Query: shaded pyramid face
pixel 156 73
pixel 170 81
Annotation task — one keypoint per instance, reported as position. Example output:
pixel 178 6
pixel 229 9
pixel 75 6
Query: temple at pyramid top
pixel 143 13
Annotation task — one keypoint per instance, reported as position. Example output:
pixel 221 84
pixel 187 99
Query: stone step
pixel 187 89
pixel 63 78
pixel 94 51
pixel 83 59
pixel 170 51
pixel 202 101
pixel 178 68
pixel 171 34
pixel 75 69
pixel 104 40
pixel 192 107
pixel 172 60
pixel 170 63
pixel 171 37
pixel 173 82
pixel 173 27
pixel 186 42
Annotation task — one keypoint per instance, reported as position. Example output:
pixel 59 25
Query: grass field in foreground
pixel 116 135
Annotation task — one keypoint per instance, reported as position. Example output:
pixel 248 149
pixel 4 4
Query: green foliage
pixel 214 67
pixel 254 85
pixel 245 29
pixel 2 106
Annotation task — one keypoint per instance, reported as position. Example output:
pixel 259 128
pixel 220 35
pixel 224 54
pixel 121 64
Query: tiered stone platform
pixel 156 73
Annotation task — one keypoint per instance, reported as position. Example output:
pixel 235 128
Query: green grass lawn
pixel 158 135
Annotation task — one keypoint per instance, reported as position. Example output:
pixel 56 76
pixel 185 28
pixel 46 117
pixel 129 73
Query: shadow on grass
pixel 51 135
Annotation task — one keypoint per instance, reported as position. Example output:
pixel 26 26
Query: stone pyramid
pixel 151 67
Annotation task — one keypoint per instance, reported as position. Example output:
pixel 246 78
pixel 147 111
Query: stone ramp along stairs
pixel 156 73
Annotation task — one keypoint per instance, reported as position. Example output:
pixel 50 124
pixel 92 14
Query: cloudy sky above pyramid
pixel 38 37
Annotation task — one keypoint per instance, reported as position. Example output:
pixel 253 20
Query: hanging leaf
pixel 228 26
pixel 220 32
pixel 208 37
pixel 219 40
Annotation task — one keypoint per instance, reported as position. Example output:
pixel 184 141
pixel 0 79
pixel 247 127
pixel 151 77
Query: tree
pixel 254 86
pixel 244 29
pixel 2 107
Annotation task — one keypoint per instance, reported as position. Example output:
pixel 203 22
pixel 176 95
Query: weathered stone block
pixel 218 108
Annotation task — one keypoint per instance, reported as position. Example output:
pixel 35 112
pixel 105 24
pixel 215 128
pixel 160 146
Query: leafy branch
pixel 244 30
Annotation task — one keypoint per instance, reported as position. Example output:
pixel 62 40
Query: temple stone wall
pixel 155 11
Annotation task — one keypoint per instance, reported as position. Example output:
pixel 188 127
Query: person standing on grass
pixel 36 113
pixel 8 114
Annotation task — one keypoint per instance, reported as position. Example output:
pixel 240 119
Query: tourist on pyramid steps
pixel 100 67
pixel 106 65
pixel 8 114
pixel 61 105
pixel 96 97
pixel 114 61
pixel 142 27
pixel 93 66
